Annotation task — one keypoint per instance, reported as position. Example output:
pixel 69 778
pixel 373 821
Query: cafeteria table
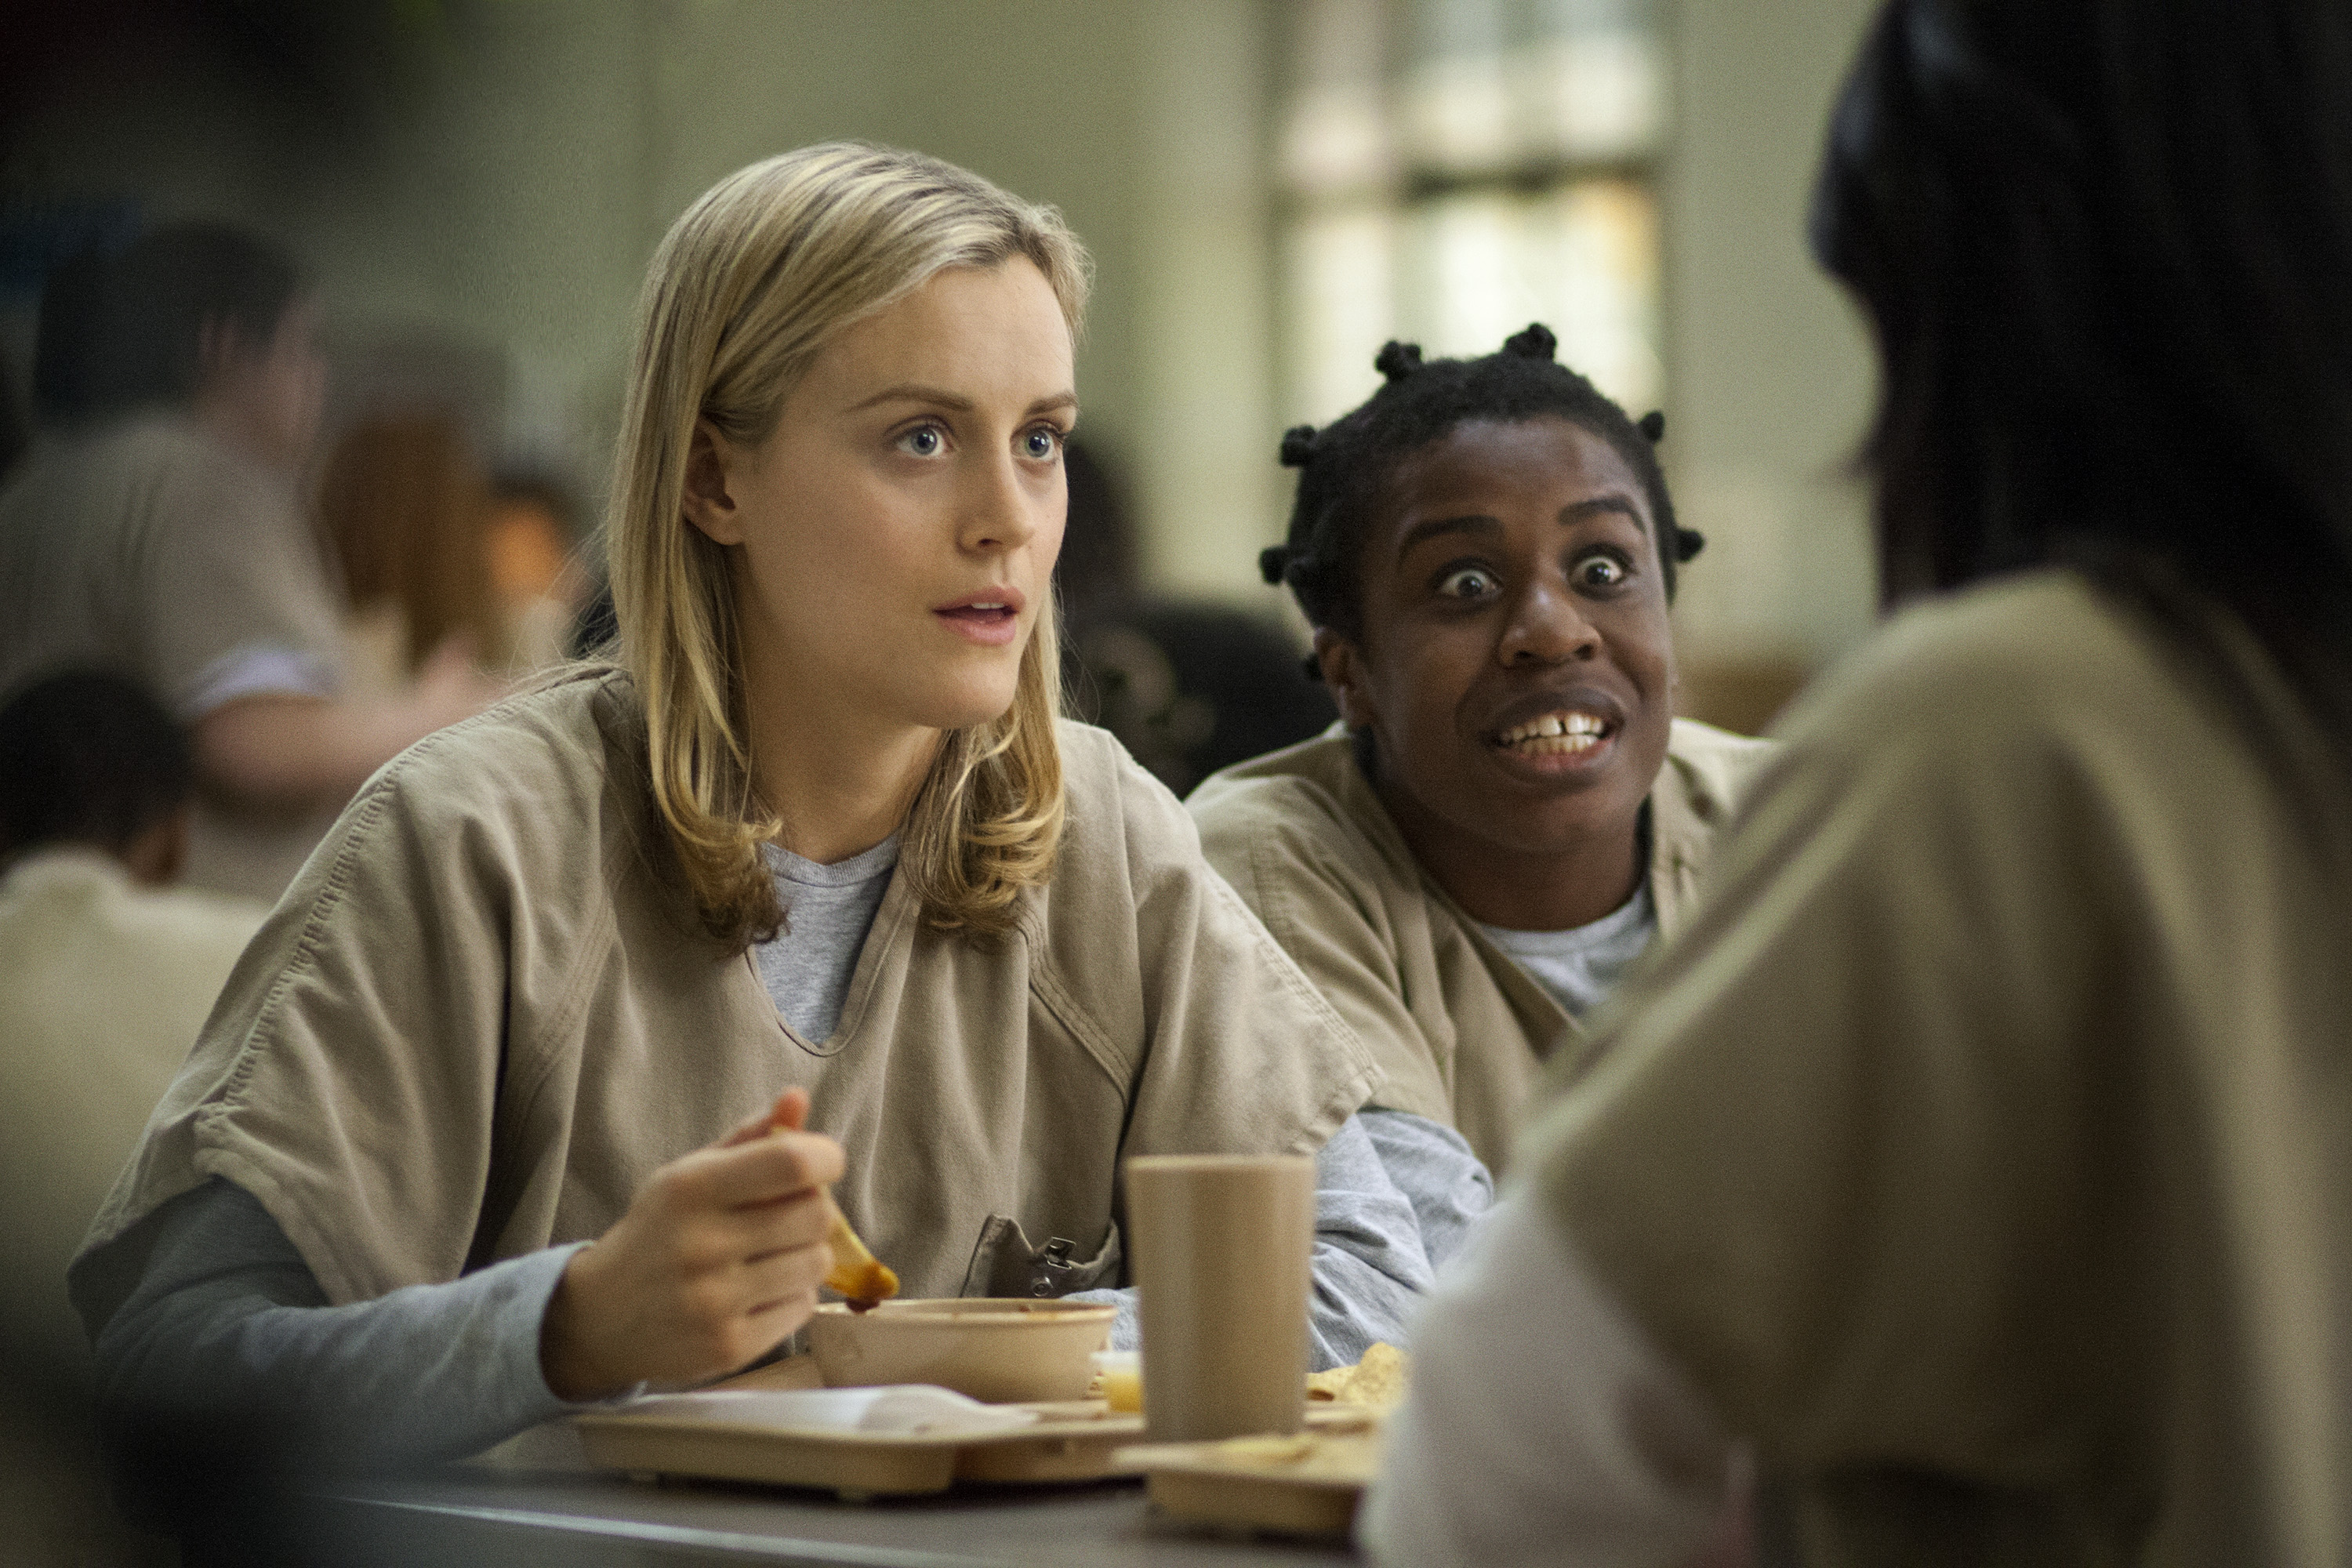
pixel 465 1516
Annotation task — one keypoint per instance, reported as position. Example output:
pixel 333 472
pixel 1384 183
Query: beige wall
pixel 512 187
pixel 1769 371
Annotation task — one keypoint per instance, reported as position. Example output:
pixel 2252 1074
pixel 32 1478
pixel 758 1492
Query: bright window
pixel 1452 169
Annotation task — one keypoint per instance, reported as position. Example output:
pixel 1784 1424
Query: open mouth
pixel 1561 733
pixel 985 613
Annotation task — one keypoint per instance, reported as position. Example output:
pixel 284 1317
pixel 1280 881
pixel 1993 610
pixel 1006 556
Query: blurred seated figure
pixel 106 974
pixel 403 510
pixel 157 531
pixel 535 570
pixel 1187 688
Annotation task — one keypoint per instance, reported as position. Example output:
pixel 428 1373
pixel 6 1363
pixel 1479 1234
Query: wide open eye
pixel 1599 571
pixel 1468 583
pixel 1039 443
pixel 924 441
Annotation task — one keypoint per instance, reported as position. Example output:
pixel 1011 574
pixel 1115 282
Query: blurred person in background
pixel 535 565
pixel 106 974
pixel 403 509
pixel 1982 1154
pixel 1187 688
pixel 158 531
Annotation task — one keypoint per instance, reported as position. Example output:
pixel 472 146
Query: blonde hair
pixel 747 288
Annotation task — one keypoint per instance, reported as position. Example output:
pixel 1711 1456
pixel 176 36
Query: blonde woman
pixel 479 1127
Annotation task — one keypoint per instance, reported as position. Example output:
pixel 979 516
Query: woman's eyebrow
pixel 955 402
pixel 914 392
pixel 1431 527
pixel 1577 511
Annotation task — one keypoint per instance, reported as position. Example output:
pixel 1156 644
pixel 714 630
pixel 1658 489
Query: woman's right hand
pixel 716 1259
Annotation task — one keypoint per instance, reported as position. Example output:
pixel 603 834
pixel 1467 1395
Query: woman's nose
pixel 1000 512
pixel 1548 626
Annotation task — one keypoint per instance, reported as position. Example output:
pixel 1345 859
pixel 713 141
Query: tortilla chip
pixel 1377 1382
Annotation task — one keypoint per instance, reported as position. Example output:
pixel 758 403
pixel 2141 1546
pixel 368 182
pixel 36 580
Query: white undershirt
pixel 1580 966
pixel 1543 1426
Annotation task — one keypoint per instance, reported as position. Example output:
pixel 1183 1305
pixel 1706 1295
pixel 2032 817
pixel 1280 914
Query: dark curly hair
pixel 1344 466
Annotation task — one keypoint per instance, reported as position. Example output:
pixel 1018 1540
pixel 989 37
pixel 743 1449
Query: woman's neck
pixel 1559 888
pixel 841 781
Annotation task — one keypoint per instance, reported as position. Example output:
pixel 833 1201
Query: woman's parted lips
pixel 984 602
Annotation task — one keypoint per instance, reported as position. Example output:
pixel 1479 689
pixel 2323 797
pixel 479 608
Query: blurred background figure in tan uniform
pixel 157 529
pixel 106 974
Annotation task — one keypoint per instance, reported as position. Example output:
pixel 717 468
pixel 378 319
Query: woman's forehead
pixel 994 331
pixel 1545 460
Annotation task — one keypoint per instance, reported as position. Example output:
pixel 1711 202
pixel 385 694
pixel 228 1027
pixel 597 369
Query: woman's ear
pixel 712 463
pixel 1343 668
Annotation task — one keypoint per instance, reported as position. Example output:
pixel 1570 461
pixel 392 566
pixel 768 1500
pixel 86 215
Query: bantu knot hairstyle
pixel 1344 466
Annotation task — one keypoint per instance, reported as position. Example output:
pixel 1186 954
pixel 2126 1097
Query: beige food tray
pixel 1077 1440
pixel 1225 1483
pixel 1069 1442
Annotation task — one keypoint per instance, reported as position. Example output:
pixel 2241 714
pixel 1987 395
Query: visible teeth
pixel 988 604
pixel 1578 730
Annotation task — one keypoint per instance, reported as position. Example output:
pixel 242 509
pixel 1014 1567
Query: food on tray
pixel 1118 1381
pixel 856 1276
pixel 1377 1381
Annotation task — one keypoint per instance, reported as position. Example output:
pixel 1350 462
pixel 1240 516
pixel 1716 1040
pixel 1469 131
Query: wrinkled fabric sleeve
pixel 1241 1054
pixel 1311 903
pixel 349 1076
pixel 1432 1165
pixel 1369 1268
pixel 227 1334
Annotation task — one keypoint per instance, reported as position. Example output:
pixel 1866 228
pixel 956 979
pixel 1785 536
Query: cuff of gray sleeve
pixel 522 1310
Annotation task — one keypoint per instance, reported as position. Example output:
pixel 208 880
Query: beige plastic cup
pixel 1221 1248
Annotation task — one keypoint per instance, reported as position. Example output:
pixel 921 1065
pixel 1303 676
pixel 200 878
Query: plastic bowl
pixel 1002 1350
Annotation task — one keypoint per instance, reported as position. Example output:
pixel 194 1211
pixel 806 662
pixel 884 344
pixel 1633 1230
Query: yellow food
pixel 855 1275
pixel 1377 1382
pixel 1122 1388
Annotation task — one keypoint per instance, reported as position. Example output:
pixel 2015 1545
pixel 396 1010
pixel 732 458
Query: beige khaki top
pixel 485 1014
pixel 150 548
pixel 103 986
pixel 1984 1147
pixel 1462 1031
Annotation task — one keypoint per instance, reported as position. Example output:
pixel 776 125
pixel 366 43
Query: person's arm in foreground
pixel 228 1332
pixel 1542 1427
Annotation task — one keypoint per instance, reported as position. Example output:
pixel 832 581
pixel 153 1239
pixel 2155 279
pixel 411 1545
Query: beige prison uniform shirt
pixel 103 986
pixel 1983 1149
pixel 486 1013
pixel 150 548
pixel 1462 1031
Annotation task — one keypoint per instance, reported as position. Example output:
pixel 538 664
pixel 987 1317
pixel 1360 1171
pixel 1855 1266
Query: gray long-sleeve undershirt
pixel 228 1327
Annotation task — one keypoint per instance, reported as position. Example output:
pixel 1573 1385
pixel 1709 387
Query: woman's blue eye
pixel 1042 443
pixel 924 440
pixel 1469 583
